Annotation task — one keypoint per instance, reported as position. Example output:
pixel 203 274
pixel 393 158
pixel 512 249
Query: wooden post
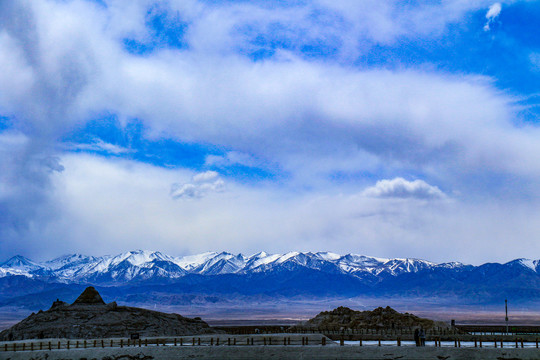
pixel 102 343
pixel 360 342
pixel 121 343
pixel 94 343
pixel 379 341
pixel 495 343
pixel 516 343
pixel 140 342
pixel 455 343
pixel 40 345
pixel 59 345
pixel 193 343
pixel 264 339
pixel 68 345
pixel 5 347
pixel 480 342
pixel 399 342
pixel 234 341
pixel 341 342
pixel 24 346
pixel 475 345
pixel 14 347
pixel 323 341
pixel 31 346
pixel 212 341
pixel 50 345
pixel 199 341
pixel 251 341
pixel 537 343
pixel 217 341
pixel 522 342
pixel 303 341
pixel 181 342
pixel 111 343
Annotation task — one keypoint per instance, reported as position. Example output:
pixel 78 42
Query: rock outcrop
pixel 90 317
pixel 387 318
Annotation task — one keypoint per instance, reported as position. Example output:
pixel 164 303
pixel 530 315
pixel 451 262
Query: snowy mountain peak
pixel 20 263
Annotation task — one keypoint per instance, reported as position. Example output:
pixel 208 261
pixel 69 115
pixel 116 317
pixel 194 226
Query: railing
pixel 478 342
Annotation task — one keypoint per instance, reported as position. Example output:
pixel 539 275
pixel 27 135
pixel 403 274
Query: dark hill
pixel 388 318
pixel 89 317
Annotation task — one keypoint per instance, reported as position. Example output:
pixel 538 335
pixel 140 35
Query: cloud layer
pixel 313 139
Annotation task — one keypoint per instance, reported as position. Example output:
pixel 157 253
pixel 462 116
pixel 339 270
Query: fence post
pixel 360 342
pixel 480 342
pixel 193 344
pixel 516 343
pixel 174 341
pixel 323 340
pixel 181 342
pixel 234 341
pixel 111 343
pixel 199 341
pixel 341 341
pixel 522 342
pixel 399 341
pixel 59 345
pixel 379 341
pixel 50 345
pixel 121 343
pixel 537 343
pixel 68 345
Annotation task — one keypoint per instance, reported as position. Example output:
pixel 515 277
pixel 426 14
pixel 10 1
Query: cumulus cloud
pixel 202 184
pixel 401 188
pixel 492 14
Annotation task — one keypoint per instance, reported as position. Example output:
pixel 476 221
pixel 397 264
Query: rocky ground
pixel 90 317
pixel 386 318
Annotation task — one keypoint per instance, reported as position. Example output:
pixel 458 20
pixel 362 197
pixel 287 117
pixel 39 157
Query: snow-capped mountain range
pixel 145 265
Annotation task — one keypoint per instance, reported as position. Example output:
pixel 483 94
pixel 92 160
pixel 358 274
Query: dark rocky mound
pixel 89 296
pixel 89 317
pixel 386 318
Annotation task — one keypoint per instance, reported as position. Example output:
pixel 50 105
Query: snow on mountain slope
pixel 148 265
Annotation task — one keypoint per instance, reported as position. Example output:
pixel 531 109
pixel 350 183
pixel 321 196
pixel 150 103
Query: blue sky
pixel 385 128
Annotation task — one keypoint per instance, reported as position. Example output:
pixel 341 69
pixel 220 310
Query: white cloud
pixel 100 146
pixel 401 188
pixel 202 184
pixel 492 14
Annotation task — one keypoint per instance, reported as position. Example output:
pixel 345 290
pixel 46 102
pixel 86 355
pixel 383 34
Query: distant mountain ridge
pixel 151 277
pixel 142 265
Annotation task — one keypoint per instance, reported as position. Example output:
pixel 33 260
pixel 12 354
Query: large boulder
pixel 90 317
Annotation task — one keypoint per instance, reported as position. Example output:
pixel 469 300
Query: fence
pixel 253 341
